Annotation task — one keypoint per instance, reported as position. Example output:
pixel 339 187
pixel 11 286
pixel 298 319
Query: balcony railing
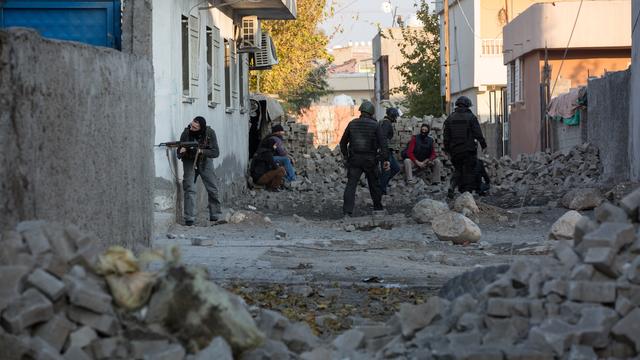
pixel 491 47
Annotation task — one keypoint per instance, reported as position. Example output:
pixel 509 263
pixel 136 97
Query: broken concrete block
pixel 582 272
pixel 11 283
pixel 582 352
pixel 55 331
pixel 415 317
pixel 169 352
pixel 555 287
pixel 564 227
pixel 633 271
pixel 105 348
pixel 61 244
pixel 554 334
pixel 13 347
pixel 613 235
pixel 623 306
pixel 75 353
pixel 35 239
pixel 138 348
pixel 88 295
pixel 520 271
pixel 602 259
pixel 42 350
pixel 631 204
pixel 583 227
pixel 524 352
pixel 349 340
pixel 469 321
pixel 299 337
pixel 30 308
pixel 217 349
pixel 628 328
pixel 466 201
pixel 103 323
pixel 592 291
pixel 53 264
pixel 505 332
pixel 456 228
pixel 428 209
pixel 582 199
pixel 608 212
pixel 47 284
pixel 82 337
pixel 566 255
pixel 595 325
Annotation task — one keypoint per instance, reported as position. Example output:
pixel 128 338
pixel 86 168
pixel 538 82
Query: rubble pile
pixel 60 298
pixel 584 303
pixel 298 140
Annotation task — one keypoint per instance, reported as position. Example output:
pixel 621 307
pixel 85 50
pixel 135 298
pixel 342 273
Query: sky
pixel 359 18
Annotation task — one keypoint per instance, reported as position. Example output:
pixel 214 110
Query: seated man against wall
pixel 281 156
pixel 422 154
pixel 264 170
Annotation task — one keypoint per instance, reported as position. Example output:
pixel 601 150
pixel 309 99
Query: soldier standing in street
pixel 199 162
pixel 461 131
pixel 362 144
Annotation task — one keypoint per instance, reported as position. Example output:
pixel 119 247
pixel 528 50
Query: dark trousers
pixel 464 176
pixel 387 175
pixel 208 178
pixel 356 166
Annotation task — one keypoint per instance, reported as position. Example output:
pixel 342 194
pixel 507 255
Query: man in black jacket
pixel 461 131
pixel 386 126
pixel 360 144
pixel 199 162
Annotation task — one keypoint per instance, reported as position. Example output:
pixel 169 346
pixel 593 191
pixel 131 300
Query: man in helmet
pixel 386 127
pixel 461 131
pixel 360 144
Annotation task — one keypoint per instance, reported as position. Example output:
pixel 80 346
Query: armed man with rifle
pixel 197 147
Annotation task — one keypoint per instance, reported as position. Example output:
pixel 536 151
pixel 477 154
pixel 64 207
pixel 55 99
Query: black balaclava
pixel 203 124
pixel 428 130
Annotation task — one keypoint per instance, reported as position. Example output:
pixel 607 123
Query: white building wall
pixel 173 113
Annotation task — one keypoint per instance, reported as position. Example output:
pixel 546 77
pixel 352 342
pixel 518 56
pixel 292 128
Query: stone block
pixel 415 317
pixel 602 259
pixel 88 295
pixel 349 340
pixel 47 284
pixel 633 271
pixel 582 272
pixel 505 332
pixel 613 235
pixel 43 351
pixel 12 279
pixel 526 353
pixel 36 240
pixel 103 323
pixel 170 352
pixel 592 291
pixel 478 353
pixel 595 325
pixel 270 349
pixel 583 227
pixel 623 305
pixel 30 308
pixel 608 212
pixel 558 287
pixel 106 348
pixel 628 328
pixel 272 323
pixel 61 244
pixel 138 348
pixel 521 270
pixel 566 255
pixel 299 337
pixel 13 347
pixel 53 264
pixel 554 334
pixel 631 203
pixel 82 337
pixel 582 352
pixel 74 353
pixel 55 331
pixel 217 349
pixel 12 247
pixel 564 227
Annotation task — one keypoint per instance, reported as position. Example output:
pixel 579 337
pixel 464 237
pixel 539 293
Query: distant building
pixel 601 42
pixel 350 75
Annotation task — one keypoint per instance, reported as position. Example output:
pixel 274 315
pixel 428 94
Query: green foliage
pixel 421 70
pixel 311 90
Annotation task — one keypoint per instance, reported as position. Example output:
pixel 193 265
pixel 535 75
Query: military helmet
pixel 464 102
pixel 367 107
pixel 393 113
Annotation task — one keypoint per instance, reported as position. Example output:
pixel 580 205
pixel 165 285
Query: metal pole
pixel 447 70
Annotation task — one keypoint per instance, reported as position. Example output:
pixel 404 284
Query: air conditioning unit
pixel 250 35
pixel 266 57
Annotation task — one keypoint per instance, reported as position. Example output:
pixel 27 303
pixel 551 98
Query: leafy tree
pixel 300 44
pixel 312 89
pixel 421 70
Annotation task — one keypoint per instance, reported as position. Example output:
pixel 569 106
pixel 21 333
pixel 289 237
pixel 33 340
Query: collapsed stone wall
pixel 76 132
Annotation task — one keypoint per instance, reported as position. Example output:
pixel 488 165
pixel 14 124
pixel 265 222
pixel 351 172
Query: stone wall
pixel 608 124
pixel 76 131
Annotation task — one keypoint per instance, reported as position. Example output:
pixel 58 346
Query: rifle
pixel 189 145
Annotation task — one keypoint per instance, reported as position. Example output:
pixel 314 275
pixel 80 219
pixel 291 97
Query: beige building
pixel 601 42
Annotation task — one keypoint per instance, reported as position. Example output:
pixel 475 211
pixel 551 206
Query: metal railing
pixel 492 47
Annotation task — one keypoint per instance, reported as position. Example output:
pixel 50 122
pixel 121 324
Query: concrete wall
pixel 173 112
pixel 608 124
pixel 76 129
pixel 634 123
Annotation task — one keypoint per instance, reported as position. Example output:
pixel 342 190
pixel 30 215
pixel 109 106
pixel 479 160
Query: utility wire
pixel 635 22
pixel 566 49
pixel 467 20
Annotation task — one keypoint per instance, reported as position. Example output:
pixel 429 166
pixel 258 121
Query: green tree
pixel 421 70
pixel 300 45
pixel 312 89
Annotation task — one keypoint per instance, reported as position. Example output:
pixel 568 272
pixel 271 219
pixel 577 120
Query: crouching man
pixel 421 154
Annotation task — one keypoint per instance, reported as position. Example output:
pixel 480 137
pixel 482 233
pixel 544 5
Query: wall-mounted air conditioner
pixel 250 35
pixel 266 57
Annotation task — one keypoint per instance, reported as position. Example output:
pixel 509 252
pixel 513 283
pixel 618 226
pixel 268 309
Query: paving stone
pixel 299 337
pixel 583 227
pixel 36 240
pixel 602 259
pixel 53 264
pixel 43 351
pixel 469 321
pixel 592 291
pixel 537 311
pixel 13 347
pixel 85 294
pixel 12 247
pixel 554 333
pixel 82 337
pixel 607 212
pixel 618 350
pixel 106 348
pixel 217 349
pixel 505 332
pixel 47 284
pixel 623 305
pixel 86 256
pixel 628 328
pixel 170 352
pixel 349 340
pixel 520 272
pixel 138 348
pixel 631 203
pixel 62 245
pixel 415 317
pixel 30 308
pixel 566 255
pixel 464 339
pixel 507 307
pixel 633 271
pixel 75 353
pixel 555 287
pixel 320 353
pixel 581 352
pixel 582 272
pixel 55 331
pixel 103 323
pixel 11 283
pixel 595 325
pixel 613 235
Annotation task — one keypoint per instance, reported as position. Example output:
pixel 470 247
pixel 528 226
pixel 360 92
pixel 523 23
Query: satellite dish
pixel 386 7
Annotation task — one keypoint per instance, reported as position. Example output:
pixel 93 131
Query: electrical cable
pixel 467 20
pixel 635 22
pixel 566 49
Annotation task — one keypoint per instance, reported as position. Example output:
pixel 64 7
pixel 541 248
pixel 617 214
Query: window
pixel 210 62
pixel 189 27
pixel 384 77
pixel 515 92
pixel 227 74
pixel 213 73
pixel 185 55
pixel 242 60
